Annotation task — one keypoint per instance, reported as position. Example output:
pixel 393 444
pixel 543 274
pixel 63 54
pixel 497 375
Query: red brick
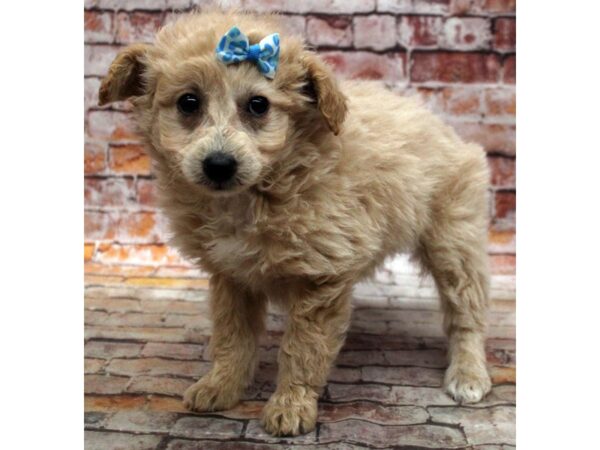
pixel 112 126
pixel 295 25
pixel 91 86
pixel 112 304
pixel 356 341
pixel 365 326
pixel 461 100
pixel 146 192
pixel 501 241
pixel 385 415
pixel 503 264
pixel 331 31
pixel 431 6
pixel 94 158
pixel 493 137
pixel 141 421
pixel 462 7
pixel 157 366
pixel 505 204
pixel 152 254
pixel 94 419
pixel 97 58
pixel 360 358
pixel 370 66
pixel 509 70
pixel 99 225
pixel 103 384
pixel 395 6
pixel 110 349
pixel 501 102
pixel 88 251
pixel 419 31
pixel 370 392
pixel 500 6
pixel 126 227
pixel 406 376
pixel 118 270
pixel 344 374
pixel 244 410
pixel 139 227
pixel 314 6
pixel 279 5
pixel 379 436
pixel 255 431
pixel 129 159
pixel 93 365
pixel 466 33
pixel 503 172
pixel 432 98
pixel 471 419
pixel 376 31
pixel 181 444
pixel 505 34
pixel 101 440
pixel 98 27
pixel 420 396
pixel 94 317
pixel 146 334
pixel 205 427
pixel 503 375
pixel 113 402
pixel 138 4
pixel 180 307
pixel 433 358
pixel 180 272
pixel 132 319
pixel 199 322
pixel 159 385
pixel 109 192
pixel 174 351
pixel 101 280
pixel 137 26
pixel 455 67
pixel 170 404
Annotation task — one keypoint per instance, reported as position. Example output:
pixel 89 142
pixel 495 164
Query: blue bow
pixel 234 47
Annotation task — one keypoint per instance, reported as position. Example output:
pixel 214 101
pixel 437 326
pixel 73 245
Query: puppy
pixel 289 186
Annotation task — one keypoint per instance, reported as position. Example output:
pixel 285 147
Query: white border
pixel 558 185
pixel 41 196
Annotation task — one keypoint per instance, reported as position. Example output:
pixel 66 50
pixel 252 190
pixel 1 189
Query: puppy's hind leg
pixel 455 253
pixel 238 320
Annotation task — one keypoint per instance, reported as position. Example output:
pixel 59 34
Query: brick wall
pixel 458 55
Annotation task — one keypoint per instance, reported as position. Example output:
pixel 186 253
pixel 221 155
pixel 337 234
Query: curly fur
pixel 334 179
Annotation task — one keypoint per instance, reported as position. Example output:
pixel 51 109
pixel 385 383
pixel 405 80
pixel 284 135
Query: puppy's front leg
pixel 318 321
pixel 238 320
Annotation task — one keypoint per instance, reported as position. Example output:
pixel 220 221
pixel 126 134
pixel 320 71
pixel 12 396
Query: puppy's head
pixel 218 127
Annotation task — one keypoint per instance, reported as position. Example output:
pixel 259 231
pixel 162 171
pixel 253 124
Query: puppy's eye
pixel 188 104
pixel 258 106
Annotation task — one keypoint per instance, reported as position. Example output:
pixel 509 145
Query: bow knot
pixel 234 47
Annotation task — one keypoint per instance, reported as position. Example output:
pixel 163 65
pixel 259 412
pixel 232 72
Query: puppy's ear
pixel 323 88
pixel 124 77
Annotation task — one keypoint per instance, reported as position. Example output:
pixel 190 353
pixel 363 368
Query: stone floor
pixel 146 331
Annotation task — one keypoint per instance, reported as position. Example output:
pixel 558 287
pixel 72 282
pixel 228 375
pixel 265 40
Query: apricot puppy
pixel 290 187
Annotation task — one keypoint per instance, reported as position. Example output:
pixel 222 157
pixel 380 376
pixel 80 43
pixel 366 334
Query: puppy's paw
pixel 290 414
pixel 207 395
pixel 467 384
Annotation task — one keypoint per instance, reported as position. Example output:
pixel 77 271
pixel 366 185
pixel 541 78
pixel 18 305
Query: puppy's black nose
pixel 219 167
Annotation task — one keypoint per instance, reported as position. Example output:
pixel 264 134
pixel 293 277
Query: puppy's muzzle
pixel 219 167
